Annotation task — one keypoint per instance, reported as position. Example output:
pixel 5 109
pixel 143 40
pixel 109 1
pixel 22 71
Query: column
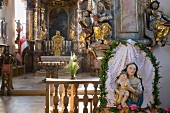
pixel 29 26
pixel 35 20
pixel 38 20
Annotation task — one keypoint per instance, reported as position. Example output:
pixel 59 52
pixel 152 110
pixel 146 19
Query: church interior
pixel 104 55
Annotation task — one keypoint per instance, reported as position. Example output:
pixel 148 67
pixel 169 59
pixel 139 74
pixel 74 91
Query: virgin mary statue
pixel 140 92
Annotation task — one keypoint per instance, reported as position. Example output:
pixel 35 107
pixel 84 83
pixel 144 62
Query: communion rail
pixel 71 91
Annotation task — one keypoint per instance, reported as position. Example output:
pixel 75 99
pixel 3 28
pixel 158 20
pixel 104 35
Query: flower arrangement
pixel 73 65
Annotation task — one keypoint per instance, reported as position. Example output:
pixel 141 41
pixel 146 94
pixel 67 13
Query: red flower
pixel 148 111
pixel 133 107
pixel 119 107
pixel 166 109
pixel 156 67
pixel 149 48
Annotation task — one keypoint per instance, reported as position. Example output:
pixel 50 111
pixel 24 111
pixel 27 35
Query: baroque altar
pixel 85 25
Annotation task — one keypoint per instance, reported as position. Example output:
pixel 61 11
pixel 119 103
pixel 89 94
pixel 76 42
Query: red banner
pixel 6 68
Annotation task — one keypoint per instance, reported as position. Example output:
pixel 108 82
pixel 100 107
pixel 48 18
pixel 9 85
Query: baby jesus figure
pixel 121 82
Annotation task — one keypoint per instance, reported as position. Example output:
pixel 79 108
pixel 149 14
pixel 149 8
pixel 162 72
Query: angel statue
pixel 86 24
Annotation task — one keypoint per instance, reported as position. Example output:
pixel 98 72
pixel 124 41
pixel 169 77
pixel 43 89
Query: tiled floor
pixel 29 104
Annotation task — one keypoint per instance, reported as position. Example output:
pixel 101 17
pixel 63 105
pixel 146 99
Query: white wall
pixel 163 55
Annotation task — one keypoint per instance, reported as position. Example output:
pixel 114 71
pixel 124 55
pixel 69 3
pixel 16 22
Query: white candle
pixel 46 43
pixel 49 43
pixel 34 46
pixel 71 53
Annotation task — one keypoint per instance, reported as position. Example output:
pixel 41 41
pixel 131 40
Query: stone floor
pixel 30 104
pixel 22 104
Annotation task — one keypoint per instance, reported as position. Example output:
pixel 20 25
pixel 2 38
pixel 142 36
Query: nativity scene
pixel 95 52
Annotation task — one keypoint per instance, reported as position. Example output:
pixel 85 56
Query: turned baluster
pixel 85 99
pixel 50 68
pixel 95 97
pixel 47 108
pixel 65 98
pixel 47 71
pixel 76 99
pixel 55 99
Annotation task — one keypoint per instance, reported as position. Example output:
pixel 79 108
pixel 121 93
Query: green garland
pixel 103 74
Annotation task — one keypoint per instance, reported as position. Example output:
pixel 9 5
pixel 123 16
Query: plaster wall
pixel 163 55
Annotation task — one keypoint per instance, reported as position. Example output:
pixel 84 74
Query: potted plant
pixel 73 66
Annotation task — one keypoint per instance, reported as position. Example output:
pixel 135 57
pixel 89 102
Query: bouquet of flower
pixel 73 65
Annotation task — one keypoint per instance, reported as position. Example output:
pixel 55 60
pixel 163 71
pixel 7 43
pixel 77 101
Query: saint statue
pixel 156 22
pixel 102 30
pixel 43 30
pixel 57 41
pixel 86 24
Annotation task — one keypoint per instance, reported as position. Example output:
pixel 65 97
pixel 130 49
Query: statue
pixel 43 30
pixel 122 81
pixel 136 87
pixel 72 32
pixel 19 29
pixel 156 22
pixel 86 24
pixel 57 41
pixel 102 29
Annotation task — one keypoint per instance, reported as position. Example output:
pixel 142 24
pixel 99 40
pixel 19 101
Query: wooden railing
pixel 73 94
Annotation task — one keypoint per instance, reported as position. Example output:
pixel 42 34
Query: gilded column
pixel 35 20
pixel 30 24
pixel 38 20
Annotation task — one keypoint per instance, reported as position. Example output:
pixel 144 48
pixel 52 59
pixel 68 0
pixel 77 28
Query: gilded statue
pixel 102 30
pixel 43 30
pixel 57 41
pixel 72 32
pixel 86 24
pixel 156 22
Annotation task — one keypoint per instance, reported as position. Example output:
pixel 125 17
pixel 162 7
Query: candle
pixel 71 53
pixel 46 43
pixel 49 43
pixel 34 46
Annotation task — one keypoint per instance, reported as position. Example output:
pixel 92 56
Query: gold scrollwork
pixel 58 3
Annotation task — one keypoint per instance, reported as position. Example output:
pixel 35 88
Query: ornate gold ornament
pixel 57 41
